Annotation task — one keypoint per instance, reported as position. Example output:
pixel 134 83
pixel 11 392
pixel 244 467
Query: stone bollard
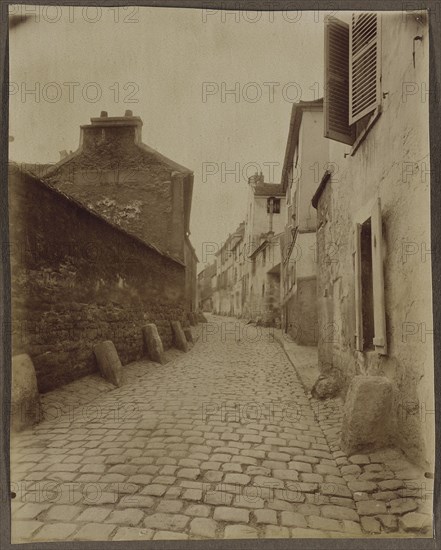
pixel 25 399
pixel 108 362
pixel 188 334
pixel 153 343
pixel 366 413
pixel 179 339
pixel 202 318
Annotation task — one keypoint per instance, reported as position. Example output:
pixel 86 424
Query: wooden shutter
pixel 364 73
pixel 378 280
pixel 290 219
pixel 357 284
pixel 336 92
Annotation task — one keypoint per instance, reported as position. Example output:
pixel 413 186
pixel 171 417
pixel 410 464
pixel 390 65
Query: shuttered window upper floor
pixel 352 75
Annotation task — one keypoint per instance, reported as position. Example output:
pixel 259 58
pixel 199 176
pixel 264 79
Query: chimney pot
pixel 103 114
pixel 128 113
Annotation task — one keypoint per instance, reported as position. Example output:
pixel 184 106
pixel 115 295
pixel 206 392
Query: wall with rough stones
pixel 77 280
pixel 391 163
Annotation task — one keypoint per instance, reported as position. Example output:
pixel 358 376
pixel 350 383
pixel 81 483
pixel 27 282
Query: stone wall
pixel 77 280
pixel 302 313
pixel 324 282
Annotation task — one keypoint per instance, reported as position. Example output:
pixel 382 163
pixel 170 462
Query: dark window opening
pixel 367 299
pixel 274 204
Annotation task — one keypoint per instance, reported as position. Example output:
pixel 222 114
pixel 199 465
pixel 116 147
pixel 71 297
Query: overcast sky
pixel 158 62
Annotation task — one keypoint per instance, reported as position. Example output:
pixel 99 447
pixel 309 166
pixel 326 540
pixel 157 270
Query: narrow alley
pixel 222 442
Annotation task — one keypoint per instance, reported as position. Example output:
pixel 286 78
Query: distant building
pixel 248 263
pixel 227 298
pixel 307 154
pixel 206 287
pixel 263 297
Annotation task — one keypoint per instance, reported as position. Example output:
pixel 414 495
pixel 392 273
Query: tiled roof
pixel 25 173
pixel 269 190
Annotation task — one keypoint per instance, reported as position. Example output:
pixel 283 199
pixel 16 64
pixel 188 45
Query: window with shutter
pixel 336 90
pixel 364 66
pixel 370 316
pixel 378 280
pixel 358 296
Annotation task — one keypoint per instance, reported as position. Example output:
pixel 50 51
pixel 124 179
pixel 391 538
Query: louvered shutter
pixel 336 92
pixel 378 280
pixel 357 284
pixel 290 219
pixel 364 72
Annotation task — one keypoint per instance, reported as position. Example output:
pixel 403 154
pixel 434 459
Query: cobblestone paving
pixel 221 442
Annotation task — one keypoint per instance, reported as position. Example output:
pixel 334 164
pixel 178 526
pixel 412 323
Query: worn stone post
pixel 202 318
pixel 153 342
pixel 366 413
pixel 179 338
pixel 109 363
pixel 25 399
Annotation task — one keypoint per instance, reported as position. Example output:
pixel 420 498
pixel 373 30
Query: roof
pixel 234 238
pixel 320 189
pixel 94 214
pixel 293 134
pixel 36 169
pixel 267 239
pixel 208 271
pixel 269 190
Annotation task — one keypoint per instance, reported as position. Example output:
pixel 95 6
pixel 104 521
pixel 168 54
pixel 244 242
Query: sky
pixel 214 90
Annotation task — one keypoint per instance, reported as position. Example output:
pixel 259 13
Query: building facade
pixel 266 211
pixel 307 154
pixel 227 298
pixel 248 263
pixel 206 287
pixel 374 277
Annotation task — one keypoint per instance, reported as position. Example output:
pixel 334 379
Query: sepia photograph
pixel 218 248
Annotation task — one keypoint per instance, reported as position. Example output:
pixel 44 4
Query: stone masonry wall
pixel 76 281
pixel 302 313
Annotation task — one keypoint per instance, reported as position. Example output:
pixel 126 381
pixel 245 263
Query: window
pixel 273 205
pixel 370 316
pixel 352 75
pixel 367 303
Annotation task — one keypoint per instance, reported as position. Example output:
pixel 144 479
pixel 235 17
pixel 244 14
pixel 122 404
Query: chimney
pixel 257 179
pixel 116 129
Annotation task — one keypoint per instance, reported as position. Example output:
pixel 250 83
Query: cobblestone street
pixel 221 442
